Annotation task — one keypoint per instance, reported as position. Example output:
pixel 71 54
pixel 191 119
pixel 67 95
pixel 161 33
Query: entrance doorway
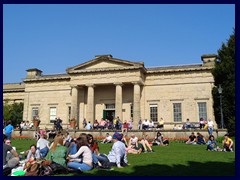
pixel 109 114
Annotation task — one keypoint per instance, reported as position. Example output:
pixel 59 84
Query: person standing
pixel 140 124
pixel 84 123
pixel 9 129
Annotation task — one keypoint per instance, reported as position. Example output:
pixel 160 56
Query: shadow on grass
pixel 192 169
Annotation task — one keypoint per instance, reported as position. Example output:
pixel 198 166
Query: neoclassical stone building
pixel 106 87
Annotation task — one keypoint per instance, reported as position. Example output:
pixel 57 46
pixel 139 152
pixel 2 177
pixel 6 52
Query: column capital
pixel 137 83
pixel 74 86
pixel 118 84
pixel 90 85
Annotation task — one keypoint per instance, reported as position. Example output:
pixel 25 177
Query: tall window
pixel 69 112
pixel 131 110
pixel 177 112
pixel 154 112
pixel 202 110
pixel 53 114
pixel 34 112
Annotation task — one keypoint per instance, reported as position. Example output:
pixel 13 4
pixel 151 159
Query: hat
pixel 117 136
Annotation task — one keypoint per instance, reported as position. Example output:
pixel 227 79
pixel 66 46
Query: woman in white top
pixel 43 145
pixel 210 126
pixel 33 154
pixel 84 162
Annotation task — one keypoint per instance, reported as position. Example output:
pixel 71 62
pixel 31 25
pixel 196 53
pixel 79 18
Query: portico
pixel 82 97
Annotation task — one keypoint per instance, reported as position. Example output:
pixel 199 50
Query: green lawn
pixel 177 159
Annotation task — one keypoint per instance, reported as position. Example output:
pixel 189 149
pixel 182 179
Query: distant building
pixel 106 87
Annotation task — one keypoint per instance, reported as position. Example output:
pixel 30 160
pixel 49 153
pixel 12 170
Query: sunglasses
pixel 8 142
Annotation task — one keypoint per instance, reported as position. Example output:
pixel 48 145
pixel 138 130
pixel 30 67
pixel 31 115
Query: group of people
pixel 150 124
pixel 115 124
pixel 75 154
pixel 211 143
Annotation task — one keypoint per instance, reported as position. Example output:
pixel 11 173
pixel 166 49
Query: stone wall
pixel 151 134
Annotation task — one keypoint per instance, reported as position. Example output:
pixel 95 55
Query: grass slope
pixel 178 159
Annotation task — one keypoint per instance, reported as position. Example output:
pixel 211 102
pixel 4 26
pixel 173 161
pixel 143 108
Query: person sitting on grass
pixel 200 139
pixel 107 139
pixel 84 163
pixel 160 141
pixel 43 145
pixel 117 156
pixel 124 140
pixel 93 145
pixel 227 143
pixel 145 144
pixel 13 162
pixel 212 144
pixel 133 146
pixel 33 154
pixel 57 152
pixel 192 139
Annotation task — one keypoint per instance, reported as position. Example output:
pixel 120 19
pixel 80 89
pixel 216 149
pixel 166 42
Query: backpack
pixel 46 171
pixel 33 169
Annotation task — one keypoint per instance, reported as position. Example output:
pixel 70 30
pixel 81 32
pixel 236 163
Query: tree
pixel 224 74
pixel 13 112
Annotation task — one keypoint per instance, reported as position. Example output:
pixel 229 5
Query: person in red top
pixel 93 145
pixel 125 127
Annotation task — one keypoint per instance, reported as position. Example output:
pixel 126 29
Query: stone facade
pixel 106 85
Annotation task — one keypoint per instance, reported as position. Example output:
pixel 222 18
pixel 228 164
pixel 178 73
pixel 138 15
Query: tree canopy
pixel 224 75
pixel 13 112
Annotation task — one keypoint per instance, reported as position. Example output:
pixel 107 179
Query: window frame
pixel 177 115
pixel 153 108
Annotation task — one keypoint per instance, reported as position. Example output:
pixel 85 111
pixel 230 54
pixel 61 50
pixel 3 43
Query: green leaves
pixel 224 74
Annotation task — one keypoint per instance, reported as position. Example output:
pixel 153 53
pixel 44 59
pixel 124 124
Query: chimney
pixel 105 55
pixel 33 73
pixel 209 59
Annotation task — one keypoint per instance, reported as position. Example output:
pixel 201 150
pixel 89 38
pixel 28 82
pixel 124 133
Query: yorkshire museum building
pixel 107 87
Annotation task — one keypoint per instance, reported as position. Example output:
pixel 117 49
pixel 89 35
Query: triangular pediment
pixel 104 62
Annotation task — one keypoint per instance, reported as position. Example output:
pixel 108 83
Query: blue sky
pixel 54 37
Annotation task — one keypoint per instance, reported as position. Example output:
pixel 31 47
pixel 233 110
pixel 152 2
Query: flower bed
pixel 21 137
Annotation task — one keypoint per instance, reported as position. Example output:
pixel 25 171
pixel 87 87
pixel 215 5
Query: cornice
pixel 178 70
pixel 45 79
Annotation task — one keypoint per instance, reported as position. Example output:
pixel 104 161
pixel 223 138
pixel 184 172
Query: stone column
pixel 118 101
pixel 136 104
pixel 90 103
pixel 25 108
pixel 81 106
pixel 74 103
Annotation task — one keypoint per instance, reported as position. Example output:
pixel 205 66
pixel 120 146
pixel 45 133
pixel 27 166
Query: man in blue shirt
pixel 8 130
pixel 117 156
